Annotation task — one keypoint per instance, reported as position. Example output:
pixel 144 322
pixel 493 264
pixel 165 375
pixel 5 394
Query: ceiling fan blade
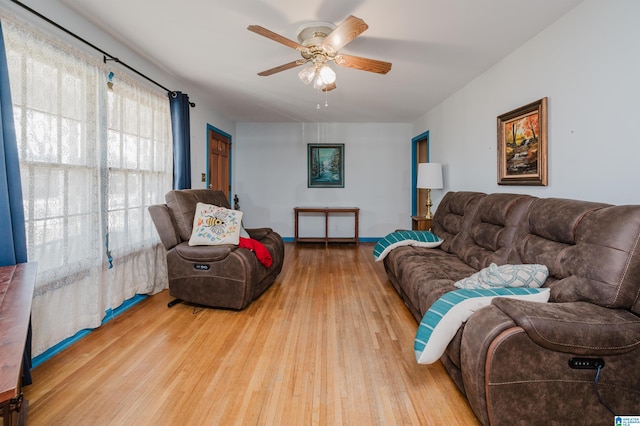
pixel 363 64
pixel 344 33
pixel 329 87
pixel 281 68
pixel 275 37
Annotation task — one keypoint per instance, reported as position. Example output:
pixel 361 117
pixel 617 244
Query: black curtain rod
pixel 106 56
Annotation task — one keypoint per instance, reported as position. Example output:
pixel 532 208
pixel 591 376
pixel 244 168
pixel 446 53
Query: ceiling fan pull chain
pixel 318 91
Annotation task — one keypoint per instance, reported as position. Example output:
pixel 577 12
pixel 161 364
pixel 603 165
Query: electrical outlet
pixel 203 177
pixel 586 363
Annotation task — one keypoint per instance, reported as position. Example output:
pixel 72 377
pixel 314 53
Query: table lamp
pixel 429 177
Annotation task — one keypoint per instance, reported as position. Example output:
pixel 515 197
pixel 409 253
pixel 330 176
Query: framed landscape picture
pixel 522 145
pixel 325 165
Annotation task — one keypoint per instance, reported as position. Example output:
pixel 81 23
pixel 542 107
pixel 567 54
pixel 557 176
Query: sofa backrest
pixel 592 250
pixel 182 205
pixel 479 228
pixel 455 212
pixel 489 236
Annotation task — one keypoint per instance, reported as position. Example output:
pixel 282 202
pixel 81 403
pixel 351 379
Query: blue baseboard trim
pixel 369 239
pixel 362 240
pixel 109 315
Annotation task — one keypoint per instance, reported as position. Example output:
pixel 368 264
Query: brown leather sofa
pixel 511 359
pixel 223 276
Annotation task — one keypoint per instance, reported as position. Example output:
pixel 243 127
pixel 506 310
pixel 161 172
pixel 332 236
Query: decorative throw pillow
pixel 446 315
pixel 529 275
pixel 259 249
pixel 404 238
pixel 213 225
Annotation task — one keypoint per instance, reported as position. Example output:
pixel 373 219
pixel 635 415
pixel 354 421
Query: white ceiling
pixel 436 47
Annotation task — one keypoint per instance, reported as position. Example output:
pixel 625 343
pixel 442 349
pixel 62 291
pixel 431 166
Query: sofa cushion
pixel 213 225
pixel 421 282
pixel 506 276
pixel 446 315
pixel 404 238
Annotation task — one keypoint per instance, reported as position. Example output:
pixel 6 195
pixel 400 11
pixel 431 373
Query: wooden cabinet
pixel 17 284
pixel 420 223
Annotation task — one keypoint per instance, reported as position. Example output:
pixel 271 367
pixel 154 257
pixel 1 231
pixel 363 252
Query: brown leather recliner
pixel 222 276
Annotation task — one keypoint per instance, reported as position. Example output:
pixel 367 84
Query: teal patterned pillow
pixel 213 225
pixel 404 238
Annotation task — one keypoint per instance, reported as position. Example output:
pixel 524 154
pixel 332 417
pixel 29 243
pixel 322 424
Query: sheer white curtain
pixel 139 173
pixel 92 159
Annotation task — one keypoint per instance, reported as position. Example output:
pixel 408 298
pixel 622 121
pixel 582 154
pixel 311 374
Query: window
pixel 138 143
pixel 92 159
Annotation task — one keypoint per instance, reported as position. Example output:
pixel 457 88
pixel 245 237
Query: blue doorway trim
pixel 414 167
pixel 223 133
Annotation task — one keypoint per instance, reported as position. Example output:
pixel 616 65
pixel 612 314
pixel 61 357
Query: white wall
pixel 270 176
pixel 200 116
pixel 588 65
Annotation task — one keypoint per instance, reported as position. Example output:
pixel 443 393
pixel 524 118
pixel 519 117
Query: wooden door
pixel 219 162
pixel 422 156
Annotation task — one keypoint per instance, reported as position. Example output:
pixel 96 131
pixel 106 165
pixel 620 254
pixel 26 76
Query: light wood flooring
pixel 330 343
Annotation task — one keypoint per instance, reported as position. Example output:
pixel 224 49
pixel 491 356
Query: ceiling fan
pixel 319 44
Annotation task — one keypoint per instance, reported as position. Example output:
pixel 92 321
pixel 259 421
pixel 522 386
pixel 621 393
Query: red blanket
pixel 258 248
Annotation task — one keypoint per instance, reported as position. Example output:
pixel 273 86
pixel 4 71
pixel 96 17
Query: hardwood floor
pixel 330 343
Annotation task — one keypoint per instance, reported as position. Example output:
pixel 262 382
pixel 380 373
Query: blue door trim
pixel 414 167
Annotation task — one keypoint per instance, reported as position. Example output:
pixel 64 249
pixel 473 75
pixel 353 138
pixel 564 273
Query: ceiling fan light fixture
pixel 327 75
pixel 320 43
pixel 317 82
pixel 307 74
pixel 318 74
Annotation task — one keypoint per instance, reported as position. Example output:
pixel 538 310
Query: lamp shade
pixel 430 176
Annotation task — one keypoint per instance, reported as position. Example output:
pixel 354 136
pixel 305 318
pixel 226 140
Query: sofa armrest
pixel 205 253
pixel 578 327
pixel 164 225
pixel 258 233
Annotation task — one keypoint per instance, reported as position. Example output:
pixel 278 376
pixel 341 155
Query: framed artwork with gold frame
pixel 522 145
